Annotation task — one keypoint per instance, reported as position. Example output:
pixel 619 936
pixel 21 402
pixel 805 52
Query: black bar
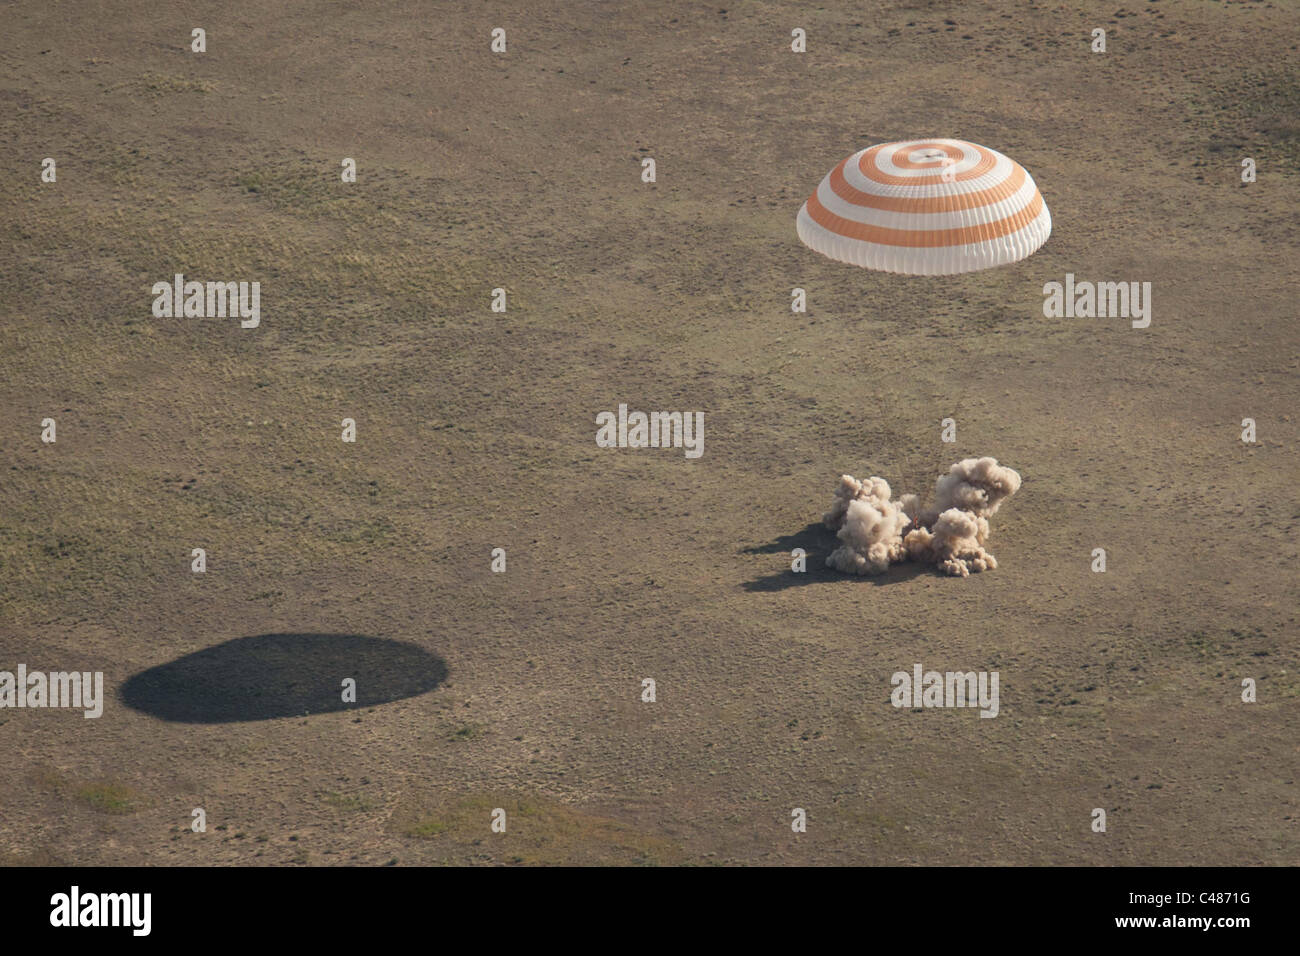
pixel 949 905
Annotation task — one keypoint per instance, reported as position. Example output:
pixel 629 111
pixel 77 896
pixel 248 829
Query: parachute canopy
pixel 926 207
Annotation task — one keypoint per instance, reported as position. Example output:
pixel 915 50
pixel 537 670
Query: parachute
pixel 926 207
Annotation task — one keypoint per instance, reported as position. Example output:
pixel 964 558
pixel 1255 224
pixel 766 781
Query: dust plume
pixel 870 526
pixel 950 534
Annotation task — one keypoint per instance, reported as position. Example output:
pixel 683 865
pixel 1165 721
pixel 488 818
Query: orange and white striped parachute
pixel 926 207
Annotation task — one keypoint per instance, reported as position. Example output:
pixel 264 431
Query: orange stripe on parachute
pixel 923 238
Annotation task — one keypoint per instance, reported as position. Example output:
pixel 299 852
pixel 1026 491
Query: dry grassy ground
pixel 476 430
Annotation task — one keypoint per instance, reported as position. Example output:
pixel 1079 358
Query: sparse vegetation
pixel 539 831
pixel 108 797
pixel 348 802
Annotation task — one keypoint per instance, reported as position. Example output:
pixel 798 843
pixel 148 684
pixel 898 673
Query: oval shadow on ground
pixel 282 675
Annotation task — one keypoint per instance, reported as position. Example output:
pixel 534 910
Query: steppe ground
pixel 1120 690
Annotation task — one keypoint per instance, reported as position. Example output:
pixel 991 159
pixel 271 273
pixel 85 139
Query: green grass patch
pixel 108 797
pixel 539 832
